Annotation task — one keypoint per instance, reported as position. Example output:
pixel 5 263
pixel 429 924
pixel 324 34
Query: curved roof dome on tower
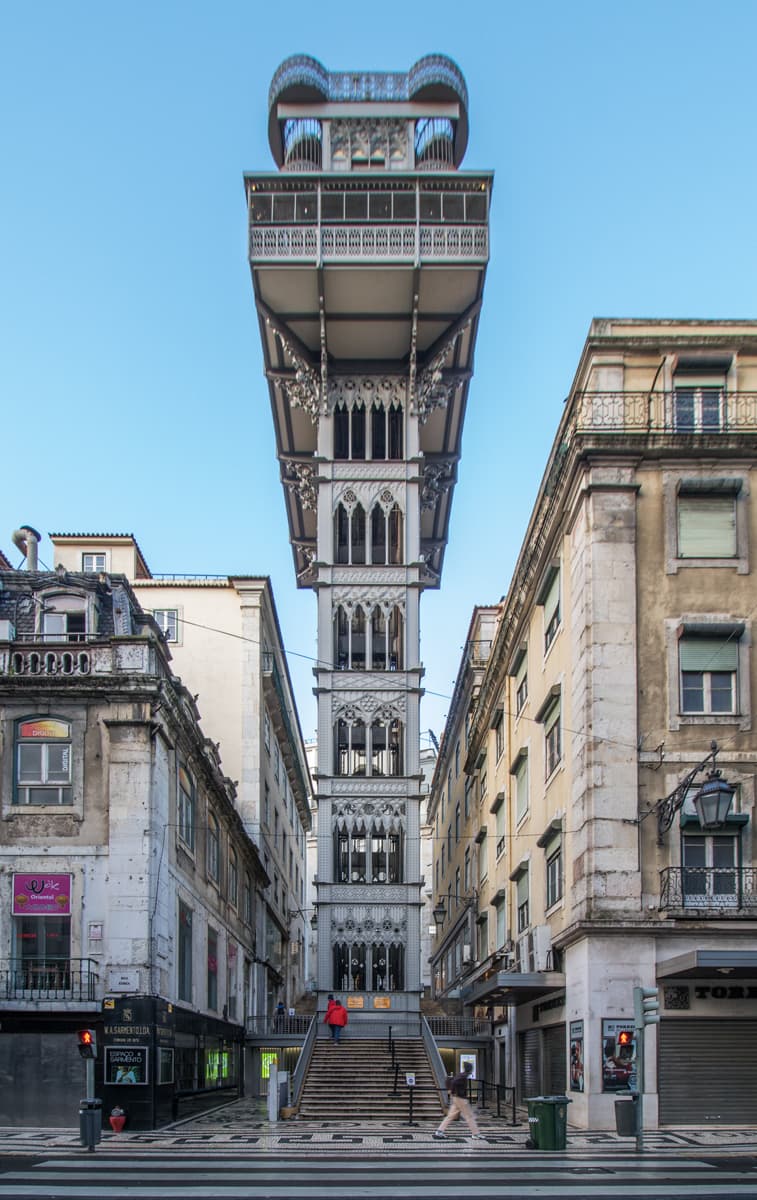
pixel 301 79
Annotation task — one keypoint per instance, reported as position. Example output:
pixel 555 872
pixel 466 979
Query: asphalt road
pixel 469 1173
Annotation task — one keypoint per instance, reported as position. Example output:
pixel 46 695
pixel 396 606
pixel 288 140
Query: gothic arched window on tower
pixel 341 535
pixel 386 748
pixel 386 432
pixel 396 968
pixel 368 855
pixel 386 639
pixel 395 535
pixel 350 748
pixel 358 639
pixel 378 535
pixel 357 534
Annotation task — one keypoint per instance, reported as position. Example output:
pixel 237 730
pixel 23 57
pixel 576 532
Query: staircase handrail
pixel 306 1053
pixel 432 1050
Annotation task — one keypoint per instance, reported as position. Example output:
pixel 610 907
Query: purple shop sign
pixel 41 895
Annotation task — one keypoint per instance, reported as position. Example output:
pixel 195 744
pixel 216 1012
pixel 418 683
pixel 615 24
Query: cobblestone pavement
pixel 243 1125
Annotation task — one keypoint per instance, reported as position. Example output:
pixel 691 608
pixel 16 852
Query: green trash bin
pixel 548 1121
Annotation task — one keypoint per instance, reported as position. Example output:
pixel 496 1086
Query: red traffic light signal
pixel 87 1043
pixel 625 1037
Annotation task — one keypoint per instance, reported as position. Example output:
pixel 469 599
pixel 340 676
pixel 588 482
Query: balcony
pixel 369 243
pixel 35 656
pixel 664 413
pixel 709 891
pixel 46 980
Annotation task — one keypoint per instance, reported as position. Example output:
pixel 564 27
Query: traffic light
pixel 646 1005
pixel 625 1037
pixel 87 1043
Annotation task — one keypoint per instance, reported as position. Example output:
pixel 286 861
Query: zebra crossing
pixel 470 1171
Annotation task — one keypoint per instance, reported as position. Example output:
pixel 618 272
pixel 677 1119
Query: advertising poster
pixel 576 1056
pixel 41 895
pixel 618 1055
pixel 126 1064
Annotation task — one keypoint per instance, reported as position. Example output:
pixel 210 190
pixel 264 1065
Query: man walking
pixel 336 1018
pixel 459 1105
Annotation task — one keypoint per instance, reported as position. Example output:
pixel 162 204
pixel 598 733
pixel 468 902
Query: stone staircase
pixel 355 1079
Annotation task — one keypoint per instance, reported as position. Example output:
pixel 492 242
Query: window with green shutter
pixel 706 526
pixel 708 673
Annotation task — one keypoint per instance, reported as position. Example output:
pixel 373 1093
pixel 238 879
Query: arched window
pixel 395 535
pixel 378 966
pixel 357 534
pixel 341 535
pixel 375 750
pixel 376 432
pixel 386 535
pixel 350 748
pixel 386 639
pixel 358 639
pixel 378 535
pixel 368 855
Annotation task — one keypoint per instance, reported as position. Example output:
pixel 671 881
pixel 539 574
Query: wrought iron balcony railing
pixel 48 979
pixel 716 890
pixel 664 412
pixel 370 243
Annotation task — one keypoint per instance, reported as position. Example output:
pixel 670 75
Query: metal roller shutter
pixel 529 1063
pixel 555 1063
pixel 707 1071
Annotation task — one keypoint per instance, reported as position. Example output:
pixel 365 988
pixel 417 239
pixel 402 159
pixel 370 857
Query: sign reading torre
pixel 368 249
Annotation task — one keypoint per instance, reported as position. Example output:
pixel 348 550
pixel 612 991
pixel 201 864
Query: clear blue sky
pixel 623 140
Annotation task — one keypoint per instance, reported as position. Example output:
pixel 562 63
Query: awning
pixel 513 987
pixel 703 964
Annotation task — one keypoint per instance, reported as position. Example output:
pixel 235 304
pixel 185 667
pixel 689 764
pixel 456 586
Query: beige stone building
pixel 226 645
pixel 624 650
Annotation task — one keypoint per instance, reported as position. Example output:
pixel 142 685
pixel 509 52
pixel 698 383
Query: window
pixel 550 600
pixel 521 680
pixel 168 622
pixel 501 923
pixel 185 953
pixel 706 525
pixel 457 760
pixel 247 899
pixel 267 731
pixel 377 750
pixel 554 874
pixel 499 817
pixel 521 901
pixel 520 771
pixel 466 799
pixel 214 847
pixel 698 400
pixel 499 736
pixel 710 874
pixel 708 674
pixel 552 739
pixel 93 563
pixel 212 968
pixel 483 937
pixel 266 805
pixel 233 877
pixel 483 788
pixel 483 858
pixel 466 870
pixel 43 762
pixel 64 619
pixel 186 808
pixel 457 823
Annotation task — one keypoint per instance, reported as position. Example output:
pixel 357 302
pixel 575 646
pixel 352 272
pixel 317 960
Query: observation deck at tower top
pixel 368 250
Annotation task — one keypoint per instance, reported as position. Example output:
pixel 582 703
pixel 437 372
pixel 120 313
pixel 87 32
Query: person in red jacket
pixel 336 1018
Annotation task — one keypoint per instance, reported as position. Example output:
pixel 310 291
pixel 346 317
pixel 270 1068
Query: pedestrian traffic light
pixel 646 1005
pixel 625 1037
pixel 87 1043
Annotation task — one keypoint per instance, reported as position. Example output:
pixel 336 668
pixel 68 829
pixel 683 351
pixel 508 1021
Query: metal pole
pixel 410 1114
pixel 640 1085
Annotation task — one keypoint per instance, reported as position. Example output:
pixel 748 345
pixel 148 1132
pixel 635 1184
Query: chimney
pixel 27 539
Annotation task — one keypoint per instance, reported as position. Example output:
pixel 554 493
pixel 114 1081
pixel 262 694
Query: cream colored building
pixel 624 650
pixel 226 645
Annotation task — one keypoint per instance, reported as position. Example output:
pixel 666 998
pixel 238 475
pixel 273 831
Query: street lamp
pixel 712 802
pixel 439 912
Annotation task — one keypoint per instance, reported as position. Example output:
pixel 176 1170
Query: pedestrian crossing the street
pixel 478 1174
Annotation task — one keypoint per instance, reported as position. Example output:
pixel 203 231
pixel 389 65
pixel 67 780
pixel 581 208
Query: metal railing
pixel 48 979
pixel 458 1027
pixel 663 412
pixel 370 242
pixel 277 1026
pixel 709 889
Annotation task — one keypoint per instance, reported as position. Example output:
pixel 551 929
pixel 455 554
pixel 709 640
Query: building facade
pixel 225 643
pixel 128 882
pixel 368 249
pixel 623 653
